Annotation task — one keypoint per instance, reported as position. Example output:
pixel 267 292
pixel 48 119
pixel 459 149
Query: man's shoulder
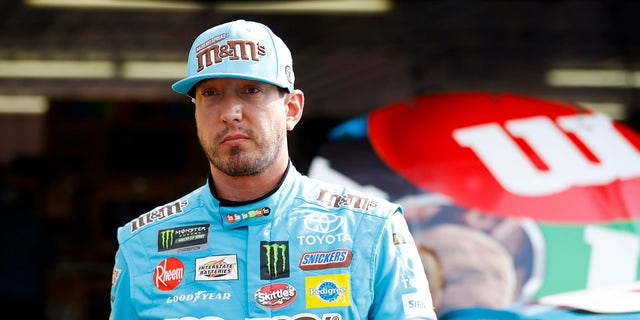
pixel 340 197
pixel 162 214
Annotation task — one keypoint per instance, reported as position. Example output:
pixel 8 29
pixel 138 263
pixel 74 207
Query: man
pixel 259 240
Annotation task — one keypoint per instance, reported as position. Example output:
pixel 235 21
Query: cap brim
pixel 185 85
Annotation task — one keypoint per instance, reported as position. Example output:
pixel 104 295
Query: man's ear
pixel 295 106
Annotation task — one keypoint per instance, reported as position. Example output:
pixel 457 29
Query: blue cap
pixel 238 49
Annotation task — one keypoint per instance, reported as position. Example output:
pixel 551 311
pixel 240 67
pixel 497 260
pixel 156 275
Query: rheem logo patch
pixel 168 274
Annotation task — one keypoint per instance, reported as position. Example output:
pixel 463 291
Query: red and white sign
pixel 512 155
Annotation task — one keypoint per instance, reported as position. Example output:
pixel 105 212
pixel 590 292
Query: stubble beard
pixel 240 163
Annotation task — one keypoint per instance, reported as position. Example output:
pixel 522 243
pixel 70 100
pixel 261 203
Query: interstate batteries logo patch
pixel 185 238
pixel 274 260
pixel 217 268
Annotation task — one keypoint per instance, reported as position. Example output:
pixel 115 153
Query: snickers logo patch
pixel 325 260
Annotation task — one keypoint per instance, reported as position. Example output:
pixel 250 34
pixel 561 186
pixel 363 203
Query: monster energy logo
pixel 184 238
pixel 166 238
pixel 274 260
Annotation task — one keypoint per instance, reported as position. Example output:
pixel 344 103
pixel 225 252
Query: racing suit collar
pixel 236 214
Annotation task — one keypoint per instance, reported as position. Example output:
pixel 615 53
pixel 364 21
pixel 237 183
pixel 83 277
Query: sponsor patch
pixel 415 304
pixel 323 222
pixel 402 238
pixel 115 274
pixel 236 217
pixel 333 290
pixel 401 234
pixel 158 214
pixel 168 274
pixel 186 238
pixel 198 296
pixel 274 260
pixel 275 295
pixel 324 260
pixel 327 229
pixel 349 200
pixel 301 316
pixel 223 267
pixel 214 51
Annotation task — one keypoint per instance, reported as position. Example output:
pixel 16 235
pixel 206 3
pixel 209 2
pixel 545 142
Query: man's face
pixel 241 124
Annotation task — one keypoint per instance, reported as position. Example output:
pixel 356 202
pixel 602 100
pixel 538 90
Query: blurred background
pixel 91 134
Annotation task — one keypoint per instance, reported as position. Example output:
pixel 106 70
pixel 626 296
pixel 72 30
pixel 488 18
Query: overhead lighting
pixel 614 110
pixel 23 104
pixel 293 6
pixel 326 6
pixel 91 69
pixel 154 70
pixel 117 4
pixel 57 69
pixel 592 78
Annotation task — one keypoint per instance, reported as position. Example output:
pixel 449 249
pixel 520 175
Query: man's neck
pixel 247 188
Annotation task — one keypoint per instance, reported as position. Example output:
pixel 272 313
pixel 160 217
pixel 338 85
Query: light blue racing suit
pixel 306 251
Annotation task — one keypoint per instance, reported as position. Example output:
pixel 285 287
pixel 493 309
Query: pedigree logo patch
pixel 333 290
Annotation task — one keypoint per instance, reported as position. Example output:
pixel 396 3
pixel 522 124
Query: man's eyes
pixel 208 92
pixel 212 92
pixel 253 90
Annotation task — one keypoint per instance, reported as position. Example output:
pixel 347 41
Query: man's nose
pixel 231 109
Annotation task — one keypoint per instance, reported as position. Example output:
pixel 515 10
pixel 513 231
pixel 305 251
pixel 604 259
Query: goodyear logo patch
pixel 185 238
pixel 333 290
pixel 274 260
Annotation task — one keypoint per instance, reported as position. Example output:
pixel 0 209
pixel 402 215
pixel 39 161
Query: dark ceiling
pixel 349 64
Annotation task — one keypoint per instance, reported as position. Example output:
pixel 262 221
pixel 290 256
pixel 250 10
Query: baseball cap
pixel 238 49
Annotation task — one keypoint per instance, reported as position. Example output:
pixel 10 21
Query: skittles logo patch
pixel 275 295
